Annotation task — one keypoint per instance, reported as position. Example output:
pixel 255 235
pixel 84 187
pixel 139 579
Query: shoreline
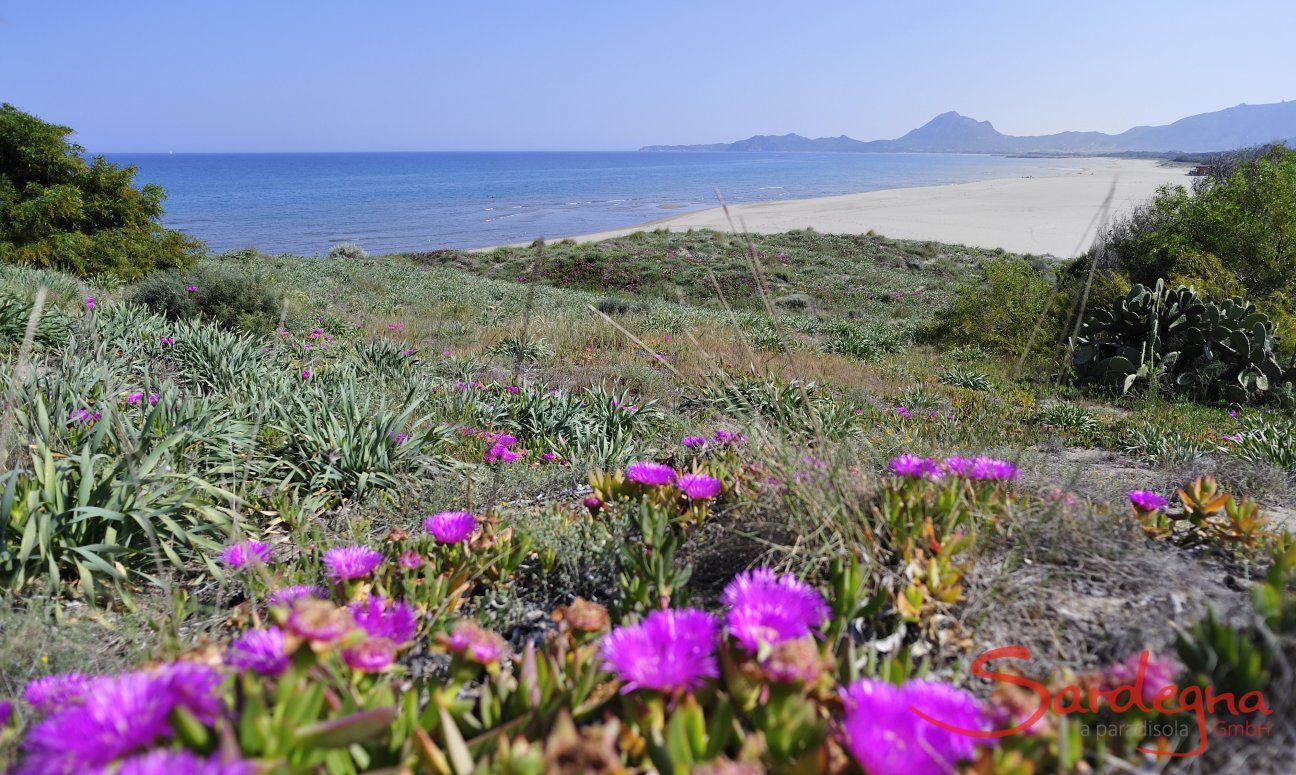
pixel 1054 215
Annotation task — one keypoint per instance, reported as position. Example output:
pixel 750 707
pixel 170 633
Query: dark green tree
pixel 59 211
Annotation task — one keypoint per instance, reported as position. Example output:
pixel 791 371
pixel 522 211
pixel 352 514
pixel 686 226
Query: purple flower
pixel 398 438
pixel 498 452
pixel 370 656
pixel 164 761
pixel 246 553
pixel 669 651
pixel 288 595
pixel 451 527
pixel 650 473
pixel 351 562
pixel 118 715
pixel 986 469
pixel 1146 500
pixel 914 467
pixel 153 399
pixel 1233 413
pixel 90 302
pixel 383 618
pixel 1158 673
pixel 193 685
pixel 699 486
pixel 305 374
pixel 134 398
pixel 1236 438
pixel 886 735
pixel 693 442
pixel 319 620
pixel 53 691
pixel 166 341
pixel 191 289
pixel 479 645
pixel 981 469
pixel 903 412
pixel 768 609
pixel 6 710
pixel 262 651
pixel 409 559
pixel 722 436
pixel 84 416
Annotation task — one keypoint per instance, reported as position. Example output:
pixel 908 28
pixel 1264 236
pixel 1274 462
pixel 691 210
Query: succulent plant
pixel 1170 339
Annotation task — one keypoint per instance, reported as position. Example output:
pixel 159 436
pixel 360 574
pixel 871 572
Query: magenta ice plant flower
pixel 885 733
pixel 166 341
pixel 409 559
pixel 288 595
pixel 451 527
pixel 351 562
pixel 1146 500
pixel 262 651
pixel 246 553
pixel 90 303
pixel 693 442
pixel 699 486
pixel 53 691
pixel 166 761
pixel 383 618
pixel 669 651
pixel 372 655
pixel 470 640
pixel 766 609
pixel 191 289
pixel 914 467
pixel 650 473
pixel 119 715
pixel 1157 672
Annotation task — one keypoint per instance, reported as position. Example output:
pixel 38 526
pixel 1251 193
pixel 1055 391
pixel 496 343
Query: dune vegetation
pixel 671 502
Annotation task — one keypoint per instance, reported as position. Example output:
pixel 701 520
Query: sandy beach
pixel 1053 215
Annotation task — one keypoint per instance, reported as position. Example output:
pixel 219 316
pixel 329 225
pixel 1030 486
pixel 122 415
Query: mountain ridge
pixel 951 132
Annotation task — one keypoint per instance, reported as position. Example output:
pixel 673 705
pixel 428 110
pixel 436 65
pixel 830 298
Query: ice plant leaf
pixel 344 731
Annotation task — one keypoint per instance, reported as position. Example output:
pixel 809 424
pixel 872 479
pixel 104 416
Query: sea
pixel 303 203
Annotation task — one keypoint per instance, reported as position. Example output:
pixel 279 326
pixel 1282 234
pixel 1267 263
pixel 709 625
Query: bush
pixel 230 295
pixel 1001 312
pixel 1235 233
pixel 347 251
pixel 59 211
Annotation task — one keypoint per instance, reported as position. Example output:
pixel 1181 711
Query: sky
pixel 389 75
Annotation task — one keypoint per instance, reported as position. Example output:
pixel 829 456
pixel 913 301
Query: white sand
pixel 1054 215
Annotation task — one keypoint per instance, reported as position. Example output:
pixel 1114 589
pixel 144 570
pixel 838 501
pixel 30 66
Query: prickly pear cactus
pixel 1169 339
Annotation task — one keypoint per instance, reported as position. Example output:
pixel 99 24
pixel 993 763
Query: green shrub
pixel 1245 221
pixel 230 295
pixel 59 211
pixel 347 251
pixel 966 378
pixel 867 344
pixel 1001 312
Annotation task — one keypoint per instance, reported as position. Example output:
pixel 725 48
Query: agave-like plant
pixel 89 521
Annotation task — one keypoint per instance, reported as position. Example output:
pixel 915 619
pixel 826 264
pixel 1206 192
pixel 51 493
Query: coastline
pixel 1053 215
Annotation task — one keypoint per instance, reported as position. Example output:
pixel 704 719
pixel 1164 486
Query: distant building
pixel 1202 169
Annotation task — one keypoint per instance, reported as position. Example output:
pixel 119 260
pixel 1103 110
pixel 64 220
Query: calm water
pixel 305 202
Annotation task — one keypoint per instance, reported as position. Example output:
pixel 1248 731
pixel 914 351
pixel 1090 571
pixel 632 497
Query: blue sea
pixel 387 202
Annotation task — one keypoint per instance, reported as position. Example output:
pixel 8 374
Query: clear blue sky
pixel 274 75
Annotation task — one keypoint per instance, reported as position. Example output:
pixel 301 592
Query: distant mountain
pixel 1222 130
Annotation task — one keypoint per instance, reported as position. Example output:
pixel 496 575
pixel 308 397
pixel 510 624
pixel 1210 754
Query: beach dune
pixel 1039 215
